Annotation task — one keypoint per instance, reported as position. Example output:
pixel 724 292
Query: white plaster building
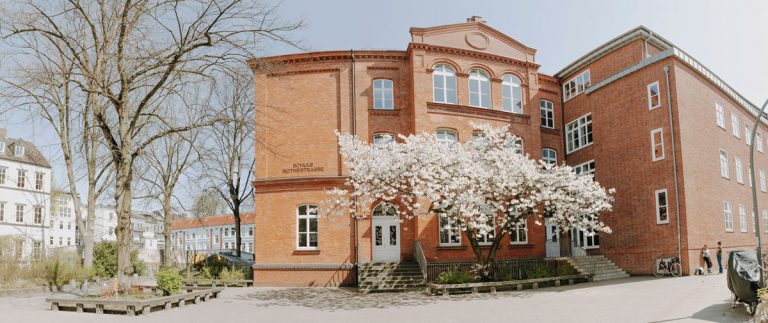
pixel 25 186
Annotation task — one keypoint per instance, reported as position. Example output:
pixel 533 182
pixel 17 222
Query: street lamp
pixel 755 213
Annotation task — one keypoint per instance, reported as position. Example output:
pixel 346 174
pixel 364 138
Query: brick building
pixel 607 114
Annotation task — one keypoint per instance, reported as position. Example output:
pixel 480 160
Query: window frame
pixel 763 184
pixel 759 142
pixel 548 159
pixel 516 229
pixel 659 206
pixel 728 214
pixel 18 150
pixel 3 174
pixel 508 85
pixel 577 126
pixel 19 213
pixel 451 226
pixel 719 115
pixel 444 140
pixel 650 96
pixel 382 135
pixel 309 217
pixel 21 178
pixel 586 168
pixel 482 77
pixel 736 125
pixel 747 135
pixel 547 114
pixel 739 164
pixel 743 219
pixel 725 170
pixel 577 84
pixel 660 131
pixel 447 73
pixel 380 104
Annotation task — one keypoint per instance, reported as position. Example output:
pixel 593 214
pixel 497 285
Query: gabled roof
pixel 419 32
pixel 213 221
pixel 31 154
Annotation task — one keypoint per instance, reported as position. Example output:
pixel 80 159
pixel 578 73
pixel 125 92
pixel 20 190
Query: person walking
pixel 705 255
pixel 720 256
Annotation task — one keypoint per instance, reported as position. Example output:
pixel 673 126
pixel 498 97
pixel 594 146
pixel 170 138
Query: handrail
pixel 418 253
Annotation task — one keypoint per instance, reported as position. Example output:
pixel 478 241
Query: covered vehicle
pixel 744 277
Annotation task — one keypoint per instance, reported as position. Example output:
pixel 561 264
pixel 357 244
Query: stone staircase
pixel 390 277
pixel 601 267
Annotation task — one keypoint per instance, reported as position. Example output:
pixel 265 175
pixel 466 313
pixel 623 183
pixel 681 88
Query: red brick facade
pixel 302 99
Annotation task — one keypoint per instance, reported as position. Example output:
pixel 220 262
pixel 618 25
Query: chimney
pixel 476 19
pixel 2 132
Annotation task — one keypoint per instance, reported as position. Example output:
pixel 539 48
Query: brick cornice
pixel 471 53
pixel 463 110
pixel 307 71
pixel 265 64
pixel 293 184
pixel 543 89
pixel 382 112
pixel 383 68
pixel 550 131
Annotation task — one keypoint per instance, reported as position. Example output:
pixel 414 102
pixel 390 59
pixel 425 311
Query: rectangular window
pixel 585 168
pixel 662 214
pixel 446 137
pixel 547 114
pixel 657 144
pixel 69 241
pixel 762 180
pixel 307 227
pixel 3 171
pixel 739 170
pixel 487 238
pixel 38 215
pixel 449 233
pixel 2 211
pixel 250 232
pixel 37 249
pixel 39 181
pixel 576 85
pixel 747 135
pixel 759 142
pixel 549 156
pixel 728 214
pixel 654 100
pixel 50 240
pixel 736 129
pixel 518 234
pixel 21 178
pixel 20 213
pixel 383 95
pixel 2 147
pixel 765 220
pixel 18 149
pixel 578 133
pixel 724 171
pixel 742 218
pixel 720 113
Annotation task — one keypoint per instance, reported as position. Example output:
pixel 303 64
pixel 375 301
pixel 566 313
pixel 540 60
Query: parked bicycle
pixel 667 265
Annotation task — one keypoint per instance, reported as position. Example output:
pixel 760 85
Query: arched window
pixel 381 138
pixel 444 84
pixel 549 155
pixel 479 89
pixel 307 227
pixel 516 144
pixel 384 209
pixel 383 97
pixel 511 94
pixel 446 137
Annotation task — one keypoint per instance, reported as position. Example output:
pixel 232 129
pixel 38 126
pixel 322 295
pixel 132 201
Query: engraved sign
pixel 305 167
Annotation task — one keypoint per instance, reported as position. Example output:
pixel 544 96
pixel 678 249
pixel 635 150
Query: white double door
pixel 553 238
pixel 386 239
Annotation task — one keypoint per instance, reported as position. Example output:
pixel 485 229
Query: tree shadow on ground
pixel 720 312
pixel 335 299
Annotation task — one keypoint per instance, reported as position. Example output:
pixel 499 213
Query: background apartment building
pixel 212 234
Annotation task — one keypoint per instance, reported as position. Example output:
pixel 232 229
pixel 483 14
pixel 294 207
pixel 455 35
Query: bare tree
pixel 138 55
pixel 229 152
pixel 166 161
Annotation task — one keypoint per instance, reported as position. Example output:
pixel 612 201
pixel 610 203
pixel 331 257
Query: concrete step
pixel 601 267
pixel 390 281
pixel 393 290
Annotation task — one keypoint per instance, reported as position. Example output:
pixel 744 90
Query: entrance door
pixel 577 243
pixel 386 234
pixel 553 241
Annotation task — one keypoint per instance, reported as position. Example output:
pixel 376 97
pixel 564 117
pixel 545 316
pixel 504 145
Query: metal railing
pixel 513 269
pixel 418 254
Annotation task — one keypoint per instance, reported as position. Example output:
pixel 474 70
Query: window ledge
pixel 306 252
pixel 522 245
pixel 465 110
pixel 452 248
pixel 550 131
pixel 384 112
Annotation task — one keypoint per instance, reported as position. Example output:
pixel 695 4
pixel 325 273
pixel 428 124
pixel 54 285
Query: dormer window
pixel 2 147
pixel 18 150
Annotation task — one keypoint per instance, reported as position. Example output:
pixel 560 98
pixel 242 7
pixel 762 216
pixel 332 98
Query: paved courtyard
pixel 636 299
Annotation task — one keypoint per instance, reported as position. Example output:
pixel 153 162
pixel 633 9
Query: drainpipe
pixel 353 119
pixel 674 166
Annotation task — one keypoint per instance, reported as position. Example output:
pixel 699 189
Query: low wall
pixel 322 275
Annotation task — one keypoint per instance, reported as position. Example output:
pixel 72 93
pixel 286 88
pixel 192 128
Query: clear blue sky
pixel 729 37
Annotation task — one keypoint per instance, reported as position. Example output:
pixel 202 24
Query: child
pixel 705 255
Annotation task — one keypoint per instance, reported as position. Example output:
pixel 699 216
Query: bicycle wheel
pixel 656 270
pixel 676 270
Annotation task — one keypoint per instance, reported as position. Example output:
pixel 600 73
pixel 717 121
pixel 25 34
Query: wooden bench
pixel 492 286
pixel 132 307
pixel 216 282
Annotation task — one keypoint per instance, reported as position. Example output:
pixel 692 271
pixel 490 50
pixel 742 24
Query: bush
pixel 565 270
pixel 58 270
pixel 105 260
pixel 537 271
pixel 168 281
pixel 455 277
pixel 232 274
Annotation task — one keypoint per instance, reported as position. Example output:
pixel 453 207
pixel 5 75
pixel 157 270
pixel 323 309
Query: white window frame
pixel 576 85
pixel 514 234
pixel 547 114
pixel 725 170
pixel 762 181
pixel 309 216
pixel 735 125
pixel 759 142
pixel 518 145
pixel 480 78
pixel 487 239
pixel 549 155
pixel 21 178
pixel 442 137
pixel 2 147
pixel 728 214
pixel 739 170
pixel 511 94
pixel 382 138
pixel 652 106
pixel 747 135
pixel 383 96
pixel 720 115
pixel 3 174
pixel 585 168
pixel 765 220
pixel 19 213
pixel 659 206
pixel 742 219
pixel 18 150
pixel 578 133
pixel 446 75
pixel 655 144
pixel 452 230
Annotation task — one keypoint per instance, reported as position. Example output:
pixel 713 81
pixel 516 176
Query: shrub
pixel 537 271
pixel 455 277
pixel 168 281
pixel 232 274
pixel 57 271
pixel 565 270
pixel 105 260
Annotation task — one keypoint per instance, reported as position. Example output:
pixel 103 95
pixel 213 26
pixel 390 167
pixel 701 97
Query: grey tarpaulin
pixel 743 275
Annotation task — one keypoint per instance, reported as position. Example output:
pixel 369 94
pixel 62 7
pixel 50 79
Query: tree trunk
pixel 88 237
pixel 123 199
pixel 238 238
pixel 167 254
